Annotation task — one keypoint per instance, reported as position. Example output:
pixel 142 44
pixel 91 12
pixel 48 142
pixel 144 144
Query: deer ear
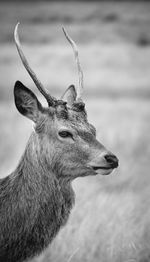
pixel 26 102
pixel 70 95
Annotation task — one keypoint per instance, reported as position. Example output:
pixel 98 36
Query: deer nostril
pixel 112 160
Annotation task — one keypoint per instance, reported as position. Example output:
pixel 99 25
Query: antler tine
pixel 37 82
pixel 80 72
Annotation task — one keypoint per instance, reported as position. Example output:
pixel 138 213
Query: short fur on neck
pixel 38 204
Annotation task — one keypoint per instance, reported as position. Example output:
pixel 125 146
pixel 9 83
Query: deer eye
pixel 65 134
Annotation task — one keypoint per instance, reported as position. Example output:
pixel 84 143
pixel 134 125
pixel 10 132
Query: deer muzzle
pixel 104 164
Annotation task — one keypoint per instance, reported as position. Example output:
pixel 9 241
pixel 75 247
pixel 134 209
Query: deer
pixel 37 197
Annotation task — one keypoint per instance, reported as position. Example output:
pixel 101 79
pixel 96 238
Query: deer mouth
pixel 102 170
pixel 110 166
pixel 101 167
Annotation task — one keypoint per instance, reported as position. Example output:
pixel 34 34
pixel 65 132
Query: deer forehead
pixel 80 127
pixel 68 120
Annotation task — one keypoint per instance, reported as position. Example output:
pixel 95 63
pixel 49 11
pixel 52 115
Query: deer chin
pixel 102 170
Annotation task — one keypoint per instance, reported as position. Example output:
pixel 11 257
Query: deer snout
pixel 104 163
pixel 112 160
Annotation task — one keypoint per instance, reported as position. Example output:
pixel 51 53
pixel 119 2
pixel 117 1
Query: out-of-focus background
pixel 111 218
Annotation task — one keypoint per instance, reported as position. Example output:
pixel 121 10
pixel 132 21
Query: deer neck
pixel 36 172
pixel 35 204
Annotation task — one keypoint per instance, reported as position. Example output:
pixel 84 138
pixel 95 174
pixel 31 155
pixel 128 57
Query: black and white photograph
pixel 74 131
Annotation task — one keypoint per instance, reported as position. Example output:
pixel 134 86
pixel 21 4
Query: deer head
pixel 64 140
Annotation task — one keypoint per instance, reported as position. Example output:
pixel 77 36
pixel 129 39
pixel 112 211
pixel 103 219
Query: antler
pixel 37 82
pixel 80 73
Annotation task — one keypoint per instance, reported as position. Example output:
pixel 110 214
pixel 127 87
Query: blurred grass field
pixel 111 218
